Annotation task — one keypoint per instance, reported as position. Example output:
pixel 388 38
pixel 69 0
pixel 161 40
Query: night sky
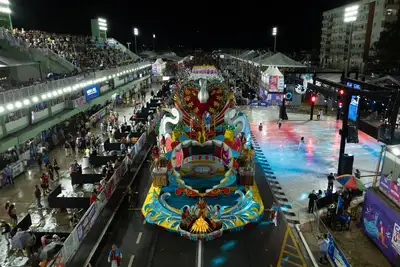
pixel 193 24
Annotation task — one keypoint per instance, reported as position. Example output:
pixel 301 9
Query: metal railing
pixel 319 228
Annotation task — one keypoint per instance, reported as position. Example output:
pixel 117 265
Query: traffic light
pixel 313 98
pixel 341 92
pixel 340 104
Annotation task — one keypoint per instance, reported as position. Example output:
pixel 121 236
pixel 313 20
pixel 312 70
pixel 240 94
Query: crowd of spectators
pixel 83 51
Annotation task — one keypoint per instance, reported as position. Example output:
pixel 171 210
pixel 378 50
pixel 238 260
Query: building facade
pixel 371 19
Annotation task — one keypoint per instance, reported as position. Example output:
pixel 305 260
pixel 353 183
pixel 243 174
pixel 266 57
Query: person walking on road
pixel 38 196
pixel 115 256
pixel 280 123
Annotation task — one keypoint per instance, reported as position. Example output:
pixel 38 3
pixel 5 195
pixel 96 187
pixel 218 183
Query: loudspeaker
pixel 352 136
pixel 346 164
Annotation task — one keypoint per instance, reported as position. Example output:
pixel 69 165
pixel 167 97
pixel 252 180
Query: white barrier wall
pixel 14 126
pixel 57 108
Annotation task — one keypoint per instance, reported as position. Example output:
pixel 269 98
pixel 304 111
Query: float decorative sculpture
pixel 202 163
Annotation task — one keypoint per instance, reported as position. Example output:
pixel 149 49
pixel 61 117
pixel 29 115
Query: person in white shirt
pixel 301 144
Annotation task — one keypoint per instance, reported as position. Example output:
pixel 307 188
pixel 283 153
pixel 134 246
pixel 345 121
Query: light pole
pixel 274 33
pixel 129 45
pixel 154 42
pixel 350 16
pixel 135 33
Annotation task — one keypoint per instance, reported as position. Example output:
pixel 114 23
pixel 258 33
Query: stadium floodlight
pixel 101 28
pixel 136 31
pixel 274 31
pixel 18 104
pixel 49 95
pixel 1 109
pixel 6 10
pixel 35 99
pixel 101 20
pixel 154 36
pixel 26 102
pixel 102 24
pixel 350 13
pixel 44 96
pixel 350 16
pixel 10 106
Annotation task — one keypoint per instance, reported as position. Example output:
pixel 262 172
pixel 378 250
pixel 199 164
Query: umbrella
pixel 349 181
pixel 50 250
pixel 19 239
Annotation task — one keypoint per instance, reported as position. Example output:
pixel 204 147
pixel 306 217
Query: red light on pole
pixel 340 104
pixel 341 91
pixel 313 99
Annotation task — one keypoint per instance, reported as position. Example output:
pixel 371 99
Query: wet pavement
pixel 299 171
pixel 44 219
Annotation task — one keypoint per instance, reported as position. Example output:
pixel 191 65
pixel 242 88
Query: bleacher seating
pixel 84 52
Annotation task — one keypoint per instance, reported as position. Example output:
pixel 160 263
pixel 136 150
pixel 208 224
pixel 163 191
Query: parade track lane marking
pixel 139 237
pixel 199 254
pixel 131 261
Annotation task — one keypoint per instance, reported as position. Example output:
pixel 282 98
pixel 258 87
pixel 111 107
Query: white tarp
pixel 280 60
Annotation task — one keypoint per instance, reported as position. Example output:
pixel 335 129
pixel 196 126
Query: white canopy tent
pixel 272 80
pixel 282 61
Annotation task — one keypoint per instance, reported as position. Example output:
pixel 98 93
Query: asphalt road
pixel 146 245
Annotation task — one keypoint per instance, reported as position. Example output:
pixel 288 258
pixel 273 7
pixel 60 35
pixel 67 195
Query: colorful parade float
pixel 203 167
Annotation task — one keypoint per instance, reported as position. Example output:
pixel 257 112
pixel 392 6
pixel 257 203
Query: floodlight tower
pixel 350 16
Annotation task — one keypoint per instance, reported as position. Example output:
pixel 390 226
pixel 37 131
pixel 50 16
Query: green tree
pixel 386 52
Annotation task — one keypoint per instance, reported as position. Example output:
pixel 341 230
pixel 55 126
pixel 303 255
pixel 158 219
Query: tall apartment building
pixel 371 19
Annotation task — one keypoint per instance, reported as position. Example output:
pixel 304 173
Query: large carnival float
pixel 203 169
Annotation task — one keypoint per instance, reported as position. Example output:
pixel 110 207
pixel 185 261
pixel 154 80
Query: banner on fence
pixel 86 222
pixel 336 256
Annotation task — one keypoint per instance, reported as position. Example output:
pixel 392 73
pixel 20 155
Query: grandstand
pixel 33 56
pixel 47 74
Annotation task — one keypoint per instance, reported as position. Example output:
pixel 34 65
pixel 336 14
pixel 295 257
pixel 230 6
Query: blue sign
pixel 92 92
pixel 353 109
pixel 336 256
pixel 355 86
